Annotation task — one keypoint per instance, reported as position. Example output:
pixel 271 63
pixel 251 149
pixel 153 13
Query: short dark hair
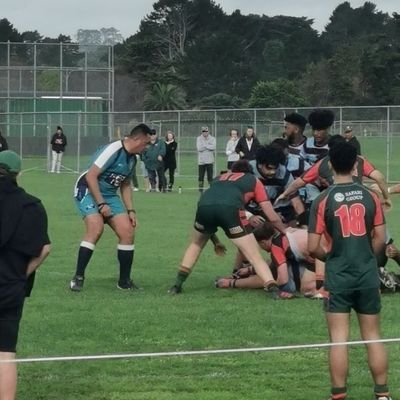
pixel 283 143
pixel 242 166
pixel 270 155
pixel 335 139
pixel 296 119
pixel 265 231
pixel 343 157
pixel 140 130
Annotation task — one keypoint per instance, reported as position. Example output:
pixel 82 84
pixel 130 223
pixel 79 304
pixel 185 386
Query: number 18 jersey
pixel 346 214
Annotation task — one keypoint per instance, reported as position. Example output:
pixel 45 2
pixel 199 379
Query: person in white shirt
pixel 231 148
pixel 206 145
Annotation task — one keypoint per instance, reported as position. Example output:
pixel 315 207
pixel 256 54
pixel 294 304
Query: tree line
pixel 191 54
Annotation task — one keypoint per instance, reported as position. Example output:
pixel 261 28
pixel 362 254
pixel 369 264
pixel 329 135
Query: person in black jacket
pixel 3 143
pixel 248 145
pixel 58 144
pixel 24 244
pixel 170 158
pixel 350 138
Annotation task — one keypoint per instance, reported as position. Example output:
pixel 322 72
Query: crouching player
pixel 291 264
pixel 222 205
pixel 351 218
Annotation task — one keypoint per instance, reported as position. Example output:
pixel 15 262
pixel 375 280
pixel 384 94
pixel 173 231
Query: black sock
pixel 125 258
pixel 181 277
pixel 338 393
pixel 381 390
pixel 84 254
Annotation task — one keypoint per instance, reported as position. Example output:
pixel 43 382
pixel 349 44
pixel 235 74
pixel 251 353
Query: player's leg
pixel 338 321
pixel 122 226
pixel 192 253
pixel 368 313
pixel 8 376
pixel 9 327
pixel 94 227
pixel 248 246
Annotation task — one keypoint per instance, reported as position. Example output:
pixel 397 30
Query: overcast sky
pixel 52 17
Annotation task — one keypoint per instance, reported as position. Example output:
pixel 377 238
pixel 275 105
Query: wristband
pixel 101 205
pixel 131 210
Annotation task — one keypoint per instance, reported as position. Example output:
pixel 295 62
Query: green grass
pixel 102 320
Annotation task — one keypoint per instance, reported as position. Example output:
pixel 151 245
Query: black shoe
pixel 175 290
pixel 127 285
pixel 76 284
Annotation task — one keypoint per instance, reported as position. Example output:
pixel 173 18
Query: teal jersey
pixel 116 165
pixel 345 214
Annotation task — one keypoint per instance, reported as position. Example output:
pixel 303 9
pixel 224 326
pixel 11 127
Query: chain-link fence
pixel 377 128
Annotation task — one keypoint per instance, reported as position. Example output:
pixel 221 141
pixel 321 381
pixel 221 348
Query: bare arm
pixel 36 262
pixel 126 195
pixel 297 184
pixel 378 239
pixel 378 177
pixel 314 247
pixel 298 205
pixel 272 216
pixel 92 179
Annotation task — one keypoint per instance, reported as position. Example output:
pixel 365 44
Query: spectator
pixel 170 158
pixel 153 158
pixel 24 245
pixel 231 148
pixel 206 145
pixel 58 143
pixel 3 143
pixel 248 145
pixel 135 182
pixel 350 138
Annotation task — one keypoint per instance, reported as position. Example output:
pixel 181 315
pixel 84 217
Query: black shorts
pixel 230 218
pixel 9 327
pixel 365 301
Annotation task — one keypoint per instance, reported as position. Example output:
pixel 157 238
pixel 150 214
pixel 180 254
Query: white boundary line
pixel 196 352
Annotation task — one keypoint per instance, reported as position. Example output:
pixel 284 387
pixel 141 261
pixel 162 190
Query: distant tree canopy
pixel 193 50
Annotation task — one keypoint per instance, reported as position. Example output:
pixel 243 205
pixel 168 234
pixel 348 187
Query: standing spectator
pixel 231 148
pixel 248 145
pixel 24 245
pixel 58 143
pixel 351 218
pixel 135 182
pixel 170 158
pixel 153 158
pixel 98 202
pixel 206 145
pixel 3 143
pixel 350 138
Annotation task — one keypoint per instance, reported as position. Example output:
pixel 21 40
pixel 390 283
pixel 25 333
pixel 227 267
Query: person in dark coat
pixel 170 158
pixel 3 143
pixel 248 145
pixel 58 143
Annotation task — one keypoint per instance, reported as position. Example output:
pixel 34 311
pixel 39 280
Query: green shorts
pixel 365 301
pixel 231 219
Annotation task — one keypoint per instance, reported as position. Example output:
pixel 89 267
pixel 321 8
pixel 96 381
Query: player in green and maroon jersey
pixel 351 218
pixel 222 205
